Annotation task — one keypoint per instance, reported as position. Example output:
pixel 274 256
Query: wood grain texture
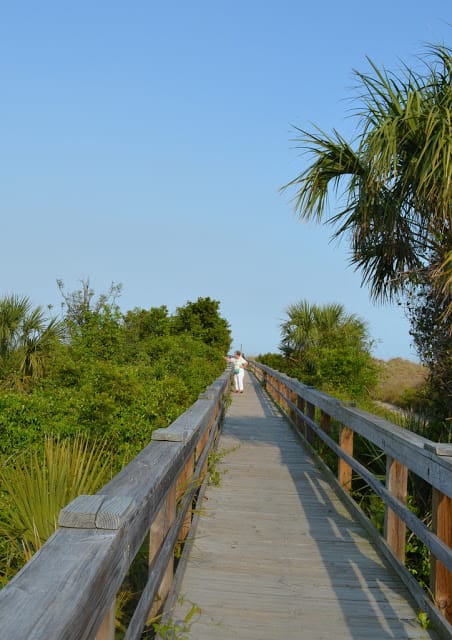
pixel 419 454
pixel 67 589
pixel 277 554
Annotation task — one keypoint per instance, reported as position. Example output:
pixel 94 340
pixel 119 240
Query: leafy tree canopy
pixel 202 319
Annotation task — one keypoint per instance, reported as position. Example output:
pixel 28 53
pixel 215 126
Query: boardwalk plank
pixel 277 554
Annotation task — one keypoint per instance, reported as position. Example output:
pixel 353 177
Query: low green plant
pixel 424 620
pixel 36 485
pixel 214 458
pixel 171 630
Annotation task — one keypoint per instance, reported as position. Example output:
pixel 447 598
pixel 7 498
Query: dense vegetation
pixel 90 388
pixel 327 348
pixel 394 203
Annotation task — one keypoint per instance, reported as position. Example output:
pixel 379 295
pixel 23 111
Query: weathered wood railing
pixel 67 591
pixel 313 412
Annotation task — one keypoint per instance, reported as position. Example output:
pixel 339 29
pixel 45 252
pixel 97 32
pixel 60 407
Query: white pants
pixel 238 380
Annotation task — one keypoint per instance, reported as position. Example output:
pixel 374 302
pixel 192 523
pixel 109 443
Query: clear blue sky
pixel 144 143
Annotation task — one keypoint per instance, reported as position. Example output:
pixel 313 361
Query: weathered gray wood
pixel 439 448
pixel 276 554
pixel 68 587
pixel 439 549
pixel 96 512
pixel 160 561
pixel 401 444
pixel 70 584
pixel 81 513
pixel 114 512
pixel 187 425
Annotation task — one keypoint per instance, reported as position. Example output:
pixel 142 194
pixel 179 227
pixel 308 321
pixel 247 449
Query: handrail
pixel 311 412
pixel 67 590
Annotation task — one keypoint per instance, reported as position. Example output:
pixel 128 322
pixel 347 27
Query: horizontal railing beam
pixel 412 450
pixel 69 585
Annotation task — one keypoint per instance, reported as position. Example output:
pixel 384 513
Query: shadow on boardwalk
pixel 276 553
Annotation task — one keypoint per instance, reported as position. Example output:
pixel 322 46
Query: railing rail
pixel 67 591
pixel 312 412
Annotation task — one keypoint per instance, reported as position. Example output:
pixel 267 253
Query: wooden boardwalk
pixel 276 554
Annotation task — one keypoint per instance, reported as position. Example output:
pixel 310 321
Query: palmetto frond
pixel 394 184
pixel 36 486
pixel 26 340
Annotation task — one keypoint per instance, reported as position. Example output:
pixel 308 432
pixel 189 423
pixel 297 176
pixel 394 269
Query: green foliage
pixel 397 211
pixel 111 377
pixel 214 458
pixel 424 620
pixel 201 319
pixel 432 333
pixel 36 485
pixel 27 339
pixel 273 360
pixel 171 630
pixel 327 348
pixel 141 324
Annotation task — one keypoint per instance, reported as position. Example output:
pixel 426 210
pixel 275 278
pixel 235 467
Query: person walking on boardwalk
pixel 239 363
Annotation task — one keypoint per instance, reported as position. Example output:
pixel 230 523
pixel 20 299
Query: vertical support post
pixel 200 448
pixel 286 392
pixel 271 389
pixel 300 422
pixel 325 422
pixel 107 628
pixel 159 529
pixel 282 397
pixel 394 527
pixel 183 485
pixel 292 413
pixel 441 578
pixel 310 412
pixel 344 472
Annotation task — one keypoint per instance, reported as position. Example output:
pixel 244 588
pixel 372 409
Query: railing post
pixel 107 628
pixel 200 448
pixel 292 413
pixel 300 422
pixel 159 529
pixel 286 396
pixel 325 422
pixel 270 388
pixel 344 471
pixel 440 577
pixel 325 425
pixel 184 485
pixel 310 412
pixel 394 527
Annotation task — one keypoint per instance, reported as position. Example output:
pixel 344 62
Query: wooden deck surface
pixel 276 554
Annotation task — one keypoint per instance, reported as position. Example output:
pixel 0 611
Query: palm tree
pixel 397 176
pixel 26 341
pixel 327 347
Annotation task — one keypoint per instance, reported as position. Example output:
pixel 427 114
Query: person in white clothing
pixel 239 363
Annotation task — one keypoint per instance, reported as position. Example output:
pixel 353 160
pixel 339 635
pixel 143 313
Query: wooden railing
pixel 319 417
pixel 68 589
